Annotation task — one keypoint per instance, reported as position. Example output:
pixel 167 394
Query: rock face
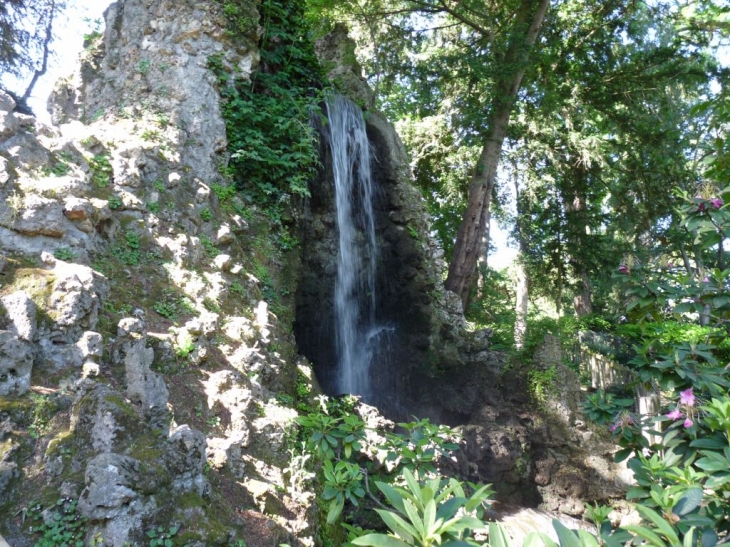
pixel 139 361
pixel 409 297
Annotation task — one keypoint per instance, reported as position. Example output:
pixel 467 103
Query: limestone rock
pixel 7 103
pixel 77 208
pixel 4 171
pixel 144 387
pixel 25 150
pixel 41 216
pixel 337 50
pixel 102 418
pixel 22 313
pixel 76 296
pixel 112 496
pixel 9 125
pixel 186 461
pixel 8 466
pixel 17 343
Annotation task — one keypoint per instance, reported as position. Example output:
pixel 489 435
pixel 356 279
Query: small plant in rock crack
pixel 115 202
pixel 206 214
pixel 63 253
pixel 101 170
pixel 143 67
pixel 184 345
pixel 161 536
pixel 64 527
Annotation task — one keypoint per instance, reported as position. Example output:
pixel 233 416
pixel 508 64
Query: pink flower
pixel 716 202
pixel 675 414
pixel 623 269
pixel 688 423
pixel 686 397
pixel 706 280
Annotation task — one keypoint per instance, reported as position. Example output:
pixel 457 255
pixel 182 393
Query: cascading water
pixel 355 328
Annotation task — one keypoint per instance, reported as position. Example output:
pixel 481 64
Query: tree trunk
pixel 582 301
pixel 522 294
pixel 482 263
pixel 39 72
pixel 468 244
pixel 578 236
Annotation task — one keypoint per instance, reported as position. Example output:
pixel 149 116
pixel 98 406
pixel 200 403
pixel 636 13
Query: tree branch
pixel 46 52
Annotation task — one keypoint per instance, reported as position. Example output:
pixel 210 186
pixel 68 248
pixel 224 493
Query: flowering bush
pixel 682 481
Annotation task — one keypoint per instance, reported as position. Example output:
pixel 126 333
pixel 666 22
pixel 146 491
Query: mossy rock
pixel 18 409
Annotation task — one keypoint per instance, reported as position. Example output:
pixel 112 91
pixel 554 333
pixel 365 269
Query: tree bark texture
pixel 468 245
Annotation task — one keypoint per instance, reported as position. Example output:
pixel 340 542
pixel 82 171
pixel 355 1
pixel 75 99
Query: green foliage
pixel 65 527
pixel 335 436
pixel 44 408
pixel 602 408
pixel 542 383
pixel 343 482
pixel 206 214
pixel 63 253
pixel 428 514
pixel 418 449
pixel 682 482
pixel 224 193
pixel 496 308
pixel 129 252
pixel 271 141
pixel 115 202
pixel 170 305
pixel 101 170
pixel 161 536
pixel 184 345
pixel 143 67
pixel 59 165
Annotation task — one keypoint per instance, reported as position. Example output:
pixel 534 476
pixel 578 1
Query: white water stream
pixel 355 329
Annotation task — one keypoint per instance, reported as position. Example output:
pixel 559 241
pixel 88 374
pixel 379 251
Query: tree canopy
pixel 26 33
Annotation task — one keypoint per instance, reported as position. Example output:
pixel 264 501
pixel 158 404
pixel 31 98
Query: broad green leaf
pixel 399 526
pixel 393 496
pixel 414 487
pixel 415 518
pixel 709 538
pixel 646 534
pixel 380 540
pixel 567 537
pixel 429 517
pixel 335 510
pixel 497 536
pixel 689 538
pixel 538 539
pixel 712 464
pixel 688 501
pixel 662 525
pixel 587 539
pixel 449 508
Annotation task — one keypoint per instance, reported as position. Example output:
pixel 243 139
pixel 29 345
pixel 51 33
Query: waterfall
pixel 355 330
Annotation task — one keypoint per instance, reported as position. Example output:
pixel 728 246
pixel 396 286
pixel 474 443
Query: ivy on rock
pixel 272 143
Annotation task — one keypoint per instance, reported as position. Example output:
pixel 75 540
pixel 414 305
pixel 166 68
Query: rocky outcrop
pixel 139 356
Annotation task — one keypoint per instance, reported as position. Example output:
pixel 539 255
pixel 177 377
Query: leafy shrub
pixel 267 118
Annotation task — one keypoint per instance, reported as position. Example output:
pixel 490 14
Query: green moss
pixel 20 410
pixel 120 403
pixel 38 283
pixel 147 449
